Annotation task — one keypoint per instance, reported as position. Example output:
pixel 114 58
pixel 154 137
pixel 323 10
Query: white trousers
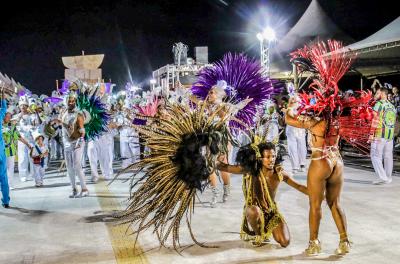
pixel 38 173
pixel 98 153
pixel 56 149
pixel 272 132
pixel 382 149
pixel 10 170
pixel 130 150
pixel 243 140
pixel 73 160
pixel 107 152
pixel 24 161
pixel 297 148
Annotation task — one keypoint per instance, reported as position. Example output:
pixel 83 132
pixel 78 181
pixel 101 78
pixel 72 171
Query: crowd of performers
pixel 76 123
pixel 222 125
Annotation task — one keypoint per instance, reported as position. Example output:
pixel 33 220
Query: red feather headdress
pixel 329 64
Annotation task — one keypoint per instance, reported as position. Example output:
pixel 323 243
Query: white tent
pixel 379 54
pixel 314 25
pixel 386 38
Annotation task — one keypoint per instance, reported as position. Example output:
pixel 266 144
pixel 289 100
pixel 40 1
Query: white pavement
pixel 45 226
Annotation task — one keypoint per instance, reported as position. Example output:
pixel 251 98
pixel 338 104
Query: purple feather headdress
pixel 65 87
pixel 244 78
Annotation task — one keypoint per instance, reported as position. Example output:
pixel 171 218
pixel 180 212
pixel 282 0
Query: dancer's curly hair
pixel 247 157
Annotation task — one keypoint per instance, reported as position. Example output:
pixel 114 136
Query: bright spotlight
pixel 260 36
pixel 269 34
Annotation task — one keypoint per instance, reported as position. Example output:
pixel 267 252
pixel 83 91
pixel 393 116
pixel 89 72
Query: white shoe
pixel 227 192
pixel 74 193
pixel 214 197
pixel 84 193
pixel 389 180
pixel 378 182
pixel 95 179
pixel 23 179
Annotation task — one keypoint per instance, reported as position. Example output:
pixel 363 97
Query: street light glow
pixel 269 34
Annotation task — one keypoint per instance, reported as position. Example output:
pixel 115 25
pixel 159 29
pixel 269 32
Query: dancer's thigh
pixel 318 172
pixel 335 183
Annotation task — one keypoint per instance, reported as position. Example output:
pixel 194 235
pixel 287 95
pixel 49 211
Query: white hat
pixel 23 100
pixel 31 101
pixel 71 94
pixel 36 134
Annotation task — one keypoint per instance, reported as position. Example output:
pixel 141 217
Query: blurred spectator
pixel 382 140
pixel 396 98
pixel 375 85
pixel 390 98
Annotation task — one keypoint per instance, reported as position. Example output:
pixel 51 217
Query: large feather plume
pixel 182 156
pixel 87 101
pixel 244 78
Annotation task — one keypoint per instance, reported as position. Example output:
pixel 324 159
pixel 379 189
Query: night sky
pixel 137 36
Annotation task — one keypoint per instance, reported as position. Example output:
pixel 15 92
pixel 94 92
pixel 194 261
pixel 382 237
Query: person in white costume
pixel 106 140
pixel 24 126
pixel 39 120
pixel 38 154
pixel 129 140
pixel 95 152
pixel 296 141
pixel 73 138
pixel 270 123
pixel 56 148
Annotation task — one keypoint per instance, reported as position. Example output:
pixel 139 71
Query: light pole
pixel 265 38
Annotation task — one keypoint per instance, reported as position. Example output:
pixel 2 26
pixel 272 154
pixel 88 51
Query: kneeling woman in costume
pixel 262 176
